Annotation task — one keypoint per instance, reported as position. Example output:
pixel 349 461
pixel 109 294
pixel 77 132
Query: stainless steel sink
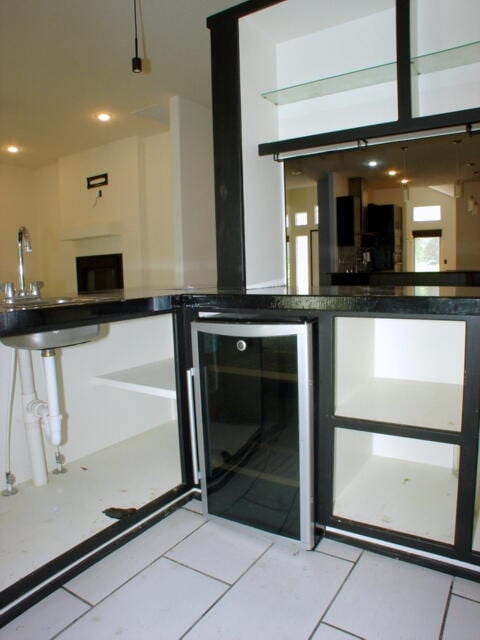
pixel 53 339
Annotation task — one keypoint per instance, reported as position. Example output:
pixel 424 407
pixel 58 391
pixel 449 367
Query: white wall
pixel 468 229
pixel 157 209
pixel 17 207
pixel 439 25
pixel 262 178
pixel 193 199
pixel 80 210
pixel 337 50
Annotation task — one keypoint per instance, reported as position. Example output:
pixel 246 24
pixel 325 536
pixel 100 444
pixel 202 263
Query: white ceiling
pixel 61 61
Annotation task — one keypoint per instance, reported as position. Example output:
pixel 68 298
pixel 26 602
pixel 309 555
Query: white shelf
pixel 94 230
pixel 410 497
pixel 432 405
pixel 155 378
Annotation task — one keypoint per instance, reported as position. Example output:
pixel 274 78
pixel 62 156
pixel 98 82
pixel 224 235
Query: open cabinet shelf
pixel 400 371
pixel 432 405
pixel 428 63
pixel 396 483
pixel 155 378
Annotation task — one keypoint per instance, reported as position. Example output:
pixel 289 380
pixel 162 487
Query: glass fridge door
pixel 252 391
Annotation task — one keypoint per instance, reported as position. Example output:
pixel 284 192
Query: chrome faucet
pixel 23 245
pixel 12 295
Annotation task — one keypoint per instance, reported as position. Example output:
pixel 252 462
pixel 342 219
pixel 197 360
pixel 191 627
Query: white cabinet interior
pixel 397 483
pixel 120 441
pixel 407 372
pixel 445 56
pixel 300 41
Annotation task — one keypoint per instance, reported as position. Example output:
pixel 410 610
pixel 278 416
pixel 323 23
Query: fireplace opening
pixel 99 273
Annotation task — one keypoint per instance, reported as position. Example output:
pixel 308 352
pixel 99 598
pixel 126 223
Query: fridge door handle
pixel 192 422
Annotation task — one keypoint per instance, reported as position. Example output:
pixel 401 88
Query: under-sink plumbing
pixel 37 411
pixel 10 488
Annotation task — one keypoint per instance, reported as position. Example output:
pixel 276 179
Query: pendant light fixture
pixel 136 60
pixel 404 181
pixel 458 188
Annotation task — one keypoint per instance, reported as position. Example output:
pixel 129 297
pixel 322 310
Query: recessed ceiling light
pixel 392 172
pixel 12 148
pixel 372 163
pixel 104 117
pixel 404 181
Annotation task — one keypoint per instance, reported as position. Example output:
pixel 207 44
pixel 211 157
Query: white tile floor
pixel 187 578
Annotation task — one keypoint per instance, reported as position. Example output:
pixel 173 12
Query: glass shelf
pixel 333 84
pixel 428 63
pixel 447 59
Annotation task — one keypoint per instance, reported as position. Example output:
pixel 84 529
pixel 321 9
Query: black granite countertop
pixel 129 304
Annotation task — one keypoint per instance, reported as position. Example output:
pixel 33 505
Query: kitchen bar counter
pixel 129 304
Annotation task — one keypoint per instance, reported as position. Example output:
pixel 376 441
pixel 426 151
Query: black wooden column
pixel 227 141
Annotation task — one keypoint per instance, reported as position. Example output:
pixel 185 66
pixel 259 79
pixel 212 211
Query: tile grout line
pixel 354 564
pixel 93 606
pixel 202 573
pixel 353 635
pixel 75 595
pixel 445 611
pixel 214 604
pixel 458 595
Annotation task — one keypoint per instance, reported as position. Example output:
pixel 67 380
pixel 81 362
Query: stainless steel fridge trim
pixel 191 418
pixel 305 409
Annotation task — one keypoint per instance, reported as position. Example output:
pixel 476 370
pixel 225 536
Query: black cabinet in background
pixel 384 223
pixel 348 220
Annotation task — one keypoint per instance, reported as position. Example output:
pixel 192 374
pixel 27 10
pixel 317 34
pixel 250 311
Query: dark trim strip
pixel 240 11
pixel 227 143
pixel 404 86
pixel 422 561
pixel 426 233
pixel 382 130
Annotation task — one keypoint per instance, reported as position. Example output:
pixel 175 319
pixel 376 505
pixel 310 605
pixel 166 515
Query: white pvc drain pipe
pixel 32 421
pixel 36 411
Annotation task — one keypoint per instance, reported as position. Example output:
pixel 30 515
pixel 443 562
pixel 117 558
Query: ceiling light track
pixel 362 143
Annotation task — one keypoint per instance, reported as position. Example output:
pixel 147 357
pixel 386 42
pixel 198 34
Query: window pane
pixel 427 254
pixel 301 263
pixel 301 219
pixel 426 214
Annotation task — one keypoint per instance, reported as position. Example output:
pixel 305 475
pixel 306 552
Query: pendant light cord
pixel 135 21
pixel 136 60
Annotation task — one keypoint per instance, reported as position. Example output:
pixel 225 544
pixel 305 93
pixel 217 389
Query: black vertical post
pixel 404 87
pixel 227 144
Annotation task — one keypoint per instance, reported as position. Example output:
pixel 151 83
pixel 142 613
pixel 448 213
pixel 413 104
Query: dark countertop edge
pixel 341 303
pixel 30 320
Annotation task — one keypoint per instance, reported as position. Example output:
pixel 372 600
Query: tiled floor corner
pixel 185 578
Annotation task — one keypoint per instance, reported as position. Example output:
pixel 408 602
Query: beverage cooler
pixel 253 410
